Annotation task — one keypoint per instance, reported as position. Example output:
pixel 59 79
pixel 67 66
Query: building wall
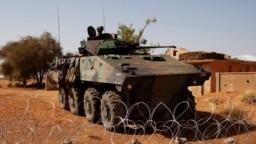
pixel 217 66
pixel 229 66
pixel 200 90
pixel 235 81
pixel 175 53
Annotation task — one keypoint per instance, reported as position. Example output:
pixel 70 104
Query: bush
pixel 249 96
pixel 9 85
pixel 234 112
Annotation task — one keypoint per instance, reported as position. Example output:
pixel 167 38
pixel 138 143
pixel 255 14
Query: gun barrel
pixel 154 47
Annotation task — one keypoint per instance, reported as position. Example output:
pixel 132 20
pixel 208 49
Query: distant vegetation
pixel 29 57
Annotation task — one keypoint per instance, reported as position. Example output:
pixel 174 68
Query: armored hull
pixel 155 78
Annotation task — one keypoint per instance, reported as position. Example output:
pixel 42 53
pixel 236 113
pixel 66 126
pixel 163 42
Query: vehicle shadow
pixel 207 126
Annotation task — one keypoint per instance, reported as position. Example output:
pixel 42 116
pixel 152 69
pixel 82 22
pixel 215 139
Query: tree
pixel 148 21
pixel 8 54
pixel 1 54
pixel 127 33
pixel 29 57
pixel 69 54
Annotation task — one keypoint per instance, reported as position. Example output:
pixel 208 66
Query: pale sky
pixel 223 26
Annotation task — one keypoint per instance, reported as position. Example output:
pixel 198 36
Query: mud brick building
pixel 226 74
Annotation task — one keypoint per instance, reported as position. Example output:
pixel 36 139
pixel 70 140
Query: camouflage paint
pixel 95 69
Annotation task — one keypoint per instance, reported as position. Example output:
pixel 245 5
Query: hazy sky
pixel 224 26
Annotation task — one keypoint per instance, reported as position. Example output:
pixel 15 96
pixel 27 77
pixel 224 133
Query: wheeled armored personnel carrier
pixel 111 80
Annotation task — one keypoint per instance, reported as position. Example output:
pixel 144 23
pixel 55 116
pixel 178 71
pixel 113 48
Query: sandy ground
pixel 33 116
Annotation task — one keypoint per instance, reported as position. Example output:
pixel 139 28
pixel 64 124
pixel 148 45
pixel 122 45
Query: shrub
pixel 249 96
pixel 234 112
pixel 214 101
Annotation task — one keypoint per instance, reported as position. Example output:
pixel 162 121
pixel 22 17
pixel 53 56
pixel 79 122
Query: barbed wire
pixel 27 123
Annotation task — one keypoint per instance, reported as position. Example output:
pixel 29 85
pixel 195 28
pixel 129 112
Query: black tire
pixel 92 105
pixel 112 110
pixel 63 97
pixel 75 101
pixel 186 111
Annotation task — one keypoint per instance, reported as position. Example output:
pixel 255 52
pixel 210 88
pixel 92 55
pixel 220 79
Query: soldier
pixel 100 30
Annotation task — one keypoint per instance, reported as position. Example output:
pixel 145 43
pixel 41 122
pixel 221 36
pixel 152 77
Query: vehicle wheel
pixel 75 102
pixel 186 111
pixel 92 105
pixel 63 97
pixel 112 110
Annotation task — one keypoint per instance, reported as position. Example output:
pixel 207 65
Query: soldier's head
pixel 100 30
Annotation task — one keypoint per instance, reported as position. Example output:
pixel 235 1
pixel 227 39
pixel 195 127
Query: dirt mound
pixel 201 56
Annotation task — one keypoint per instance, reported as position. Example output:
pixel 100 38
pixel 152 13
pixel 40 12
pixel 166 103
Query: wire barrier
pixel 41 121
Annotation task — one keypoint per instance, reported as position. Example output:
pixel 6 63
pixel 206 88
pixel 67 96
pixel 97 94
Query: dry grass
pixel 213 100
pixel 249 96
pixel 234 111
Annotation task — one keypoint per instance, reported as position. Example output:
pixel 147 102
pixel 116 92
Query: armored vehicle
pixel 112 80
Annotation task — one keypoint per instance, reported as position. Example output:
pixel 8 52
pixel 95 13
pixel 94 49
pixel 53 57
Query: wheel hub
pixel 107 112
pixel 72 102
pixel 88 107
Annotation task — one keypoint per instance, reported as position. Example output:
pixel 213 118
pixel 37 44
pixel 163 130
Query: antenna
pixel 59 23
pixel 104 20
